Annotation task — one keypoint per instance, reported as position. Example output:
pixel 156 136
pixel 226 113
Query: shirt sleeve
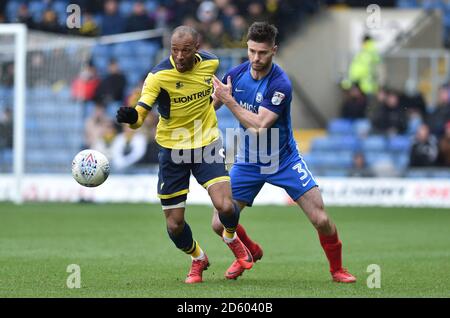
pixel 150 91
pixel 277 98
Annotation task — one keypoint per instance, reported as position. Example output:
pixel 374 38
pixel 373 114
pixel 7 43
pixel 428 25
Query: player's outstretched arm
pixel 264 119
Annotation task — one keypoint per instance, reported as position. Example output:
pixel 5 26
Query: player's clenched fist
pixel 127 115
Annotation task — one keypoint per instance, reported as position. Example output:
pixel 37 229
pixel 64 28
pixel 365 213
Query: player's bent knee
pixel 175 226
pixel 225 207
pixel 322 222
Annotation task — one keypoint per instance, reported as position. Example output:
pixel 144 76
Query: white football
pixel 90 168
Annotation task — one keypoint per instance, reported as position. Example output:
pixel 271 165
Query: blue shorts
pixel 173 176
pixel 293 175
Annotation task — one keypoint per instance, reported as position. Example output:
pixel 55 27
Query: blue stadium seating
pixel 101 51
pixel 399 144
pixel 401 161
pixel 361 127
pixel 340 126
pixel 335 143
pixel 122 50
pixel 374 143
pixel 376 157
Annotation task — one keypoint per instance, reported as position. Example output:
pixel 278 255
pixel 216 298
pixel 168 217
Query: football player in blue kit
pixel 259 94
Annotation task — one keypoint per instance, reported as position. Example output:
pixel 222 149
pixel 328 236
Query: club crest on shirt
pixel 208 80
pixel 259 97
pixel 277 98
pixel 179 85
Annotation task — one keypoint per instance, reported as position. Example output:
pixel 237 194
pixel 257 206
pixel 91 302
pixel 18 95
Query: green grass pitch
pixel 124 251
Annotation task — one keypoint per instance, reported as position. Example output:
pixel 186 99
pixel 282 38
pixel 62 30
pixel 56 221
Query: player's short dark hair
pixel 183 30
pixel 262 32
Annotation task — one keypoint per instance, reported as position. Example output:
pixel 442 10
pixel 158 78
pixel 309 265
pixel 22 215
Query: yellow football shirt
pixel 187 118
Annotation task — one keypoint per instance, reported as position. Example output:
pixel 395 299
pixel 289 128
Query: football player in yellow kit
pixel 188 137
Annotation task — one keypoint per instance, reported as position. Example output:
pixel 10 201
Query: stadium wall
pixel 138 188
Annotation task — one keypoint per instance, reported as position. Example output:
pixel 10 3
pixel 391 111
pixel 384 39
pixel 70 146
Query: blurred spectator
pixel 444 147
pixel 161 17
pixel 215 35
pixel 424 150
pixel 355 104
pixel 390 118
pixel 256 12
pixel 207 12
pixel 181 9
pixel 149 130
pixel 413 100
pixel 85 85
pixel 359 167
pixel 227 14
pixel 112 22
pixel 6 129
pixel 7 74
pixel 111 87
pixel 364 67
pixel 95 125
pixel 237 36
pixel 128 148
pixel 50 23
pixel 24 16
pixel 89 26
pixel 105 142
pixel 437 118
pixel 139 20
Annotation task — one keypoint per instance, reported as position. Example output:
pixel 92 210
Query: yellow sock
pixel 229 233
pixel 195 251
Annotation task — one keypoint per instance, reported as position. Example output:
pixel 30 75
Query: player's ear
pixel 275 49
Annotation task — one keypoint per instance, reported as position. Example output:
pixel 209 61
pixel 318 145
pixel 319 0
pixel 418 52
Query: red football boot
pixel 343 276
pixel 236 270
pixel 197 268
pixel 241 252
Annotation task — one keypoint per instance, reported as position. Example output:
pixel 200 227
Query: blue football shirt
pixel 273 92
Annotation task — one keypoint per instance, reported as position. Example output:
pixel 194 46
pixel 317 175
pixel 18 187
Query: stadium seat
pixel 101 51
pixel 340 126
pixel 329 159
pixel 361 127
pixel 375 157
pixel 146 49
pixel 134 78
pixel 401 161
pixel 128 65
pixel 335 143
pixel 101 63
pixel 36 9
pixel 374 143
pixel 399 144
pixel 11 9
pixel 121 50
